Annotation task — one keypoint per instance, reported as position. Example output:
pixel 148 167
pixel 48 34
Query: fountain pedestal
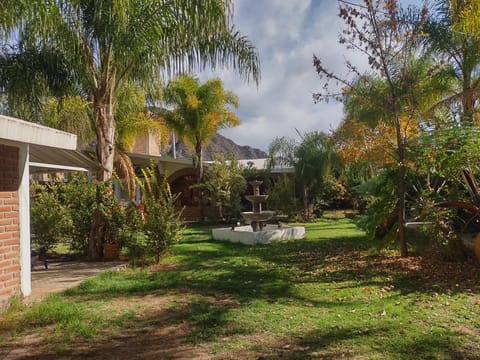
pixel 257 217
pixel 258 232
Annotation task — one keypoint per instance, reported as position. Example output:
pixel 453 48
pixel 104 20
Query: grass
pixel 327 296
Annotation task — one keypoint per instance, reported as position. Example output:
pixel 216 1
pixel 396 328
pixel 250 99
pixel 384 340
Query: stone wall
pixel 9 222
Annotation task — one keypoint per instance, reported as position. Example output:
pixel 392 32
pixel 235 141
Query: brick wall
pixel 9 222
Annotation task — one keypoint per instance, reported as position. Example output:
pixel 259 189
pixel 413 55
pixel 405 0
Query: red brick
pixel 5 263
pixel 12 283
pixel 10 202
pixel 5 208
pixel 12 255
pixel 6 222
pixel 11 228
pixel 11 242
pixel 11 215
pixel 6 248
pixel 5 277
pixel 6 194
pixel 13 269
pixel 7 291
pixel 5 236
pixel 10 252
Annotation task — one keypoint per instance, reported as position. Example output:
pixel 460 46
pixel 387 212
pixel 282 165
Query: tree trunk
pixel 97 231
pixel 402 170
pixel 105 129
pixel 199 176
pixel 401 211
pixel 305 201
pixel 468 99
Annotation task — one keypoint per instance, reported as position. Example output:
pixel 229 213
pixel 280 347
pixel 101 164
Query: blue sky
pixel 287 33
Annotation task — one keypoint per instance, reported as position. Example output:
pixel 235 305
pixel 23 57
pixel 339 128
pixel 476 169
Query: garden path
pixel 62 275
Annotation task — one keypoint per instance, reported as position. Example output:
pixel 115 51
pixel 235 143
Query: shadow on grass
pixel 183 331
pixel 329 344
pixel 334 254
pixel 269 272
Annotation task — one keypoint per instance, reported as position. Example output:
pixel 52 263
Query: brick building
pixel 26 146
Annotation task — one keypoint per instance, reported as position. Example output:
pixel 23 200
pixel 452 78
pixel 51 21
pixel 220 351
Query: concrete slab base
pixel 270 233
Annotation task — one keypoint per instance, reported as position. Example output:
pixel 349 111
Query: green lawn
pixel 327 296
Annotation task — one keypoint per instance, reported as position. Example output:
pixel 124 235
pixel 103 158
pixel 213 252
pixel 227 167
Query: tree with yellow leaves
pixel 359 144
pixel 468 20
pixel 388 36
pixel 200 110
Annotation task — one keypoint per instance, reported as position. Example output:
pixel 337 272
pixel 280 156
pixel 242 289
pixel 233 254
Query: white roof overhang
pixel 49 149
pixel 166 164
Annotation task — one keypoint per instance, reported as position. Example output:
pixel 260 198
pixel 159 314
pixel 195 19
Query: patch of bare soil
pixel 152 334
pixel 156 342
pixel 469 351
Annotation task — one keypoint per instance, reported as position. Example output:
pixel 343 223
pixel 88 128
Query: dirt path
pixel 62 275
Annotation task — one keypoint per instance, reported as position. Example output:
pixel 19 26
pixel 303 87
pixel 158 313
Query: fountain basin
pixel 270 233
pixel 255 199
pixel 258 216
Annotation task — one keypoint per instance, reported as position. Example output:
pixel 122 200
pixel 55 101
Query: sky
pixel 286 34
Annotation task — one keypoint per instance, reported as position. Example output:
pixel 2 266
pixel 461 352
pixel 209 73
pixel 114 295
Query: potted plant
pixel 115 214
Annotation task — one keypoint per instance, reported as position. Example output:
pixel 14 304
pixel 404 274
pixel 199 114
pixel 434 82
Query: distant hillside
pixel 218 144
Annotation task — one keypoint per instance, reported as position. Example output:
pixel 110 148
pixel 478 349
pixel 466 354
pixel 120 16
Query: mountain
pixel 218 144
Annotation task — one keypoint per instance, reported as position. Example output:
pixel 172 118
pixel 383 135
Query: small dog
pixel 39 255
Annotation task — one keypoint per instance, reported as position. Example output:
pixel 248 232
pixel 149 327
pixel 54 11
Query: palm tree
pixel 71 114
pixel 107 43
pixel 200 111
pixel 133 120
pixel 315 156
pixel 469 17
pixel 461 51
pixel 30 77
pixel 417 89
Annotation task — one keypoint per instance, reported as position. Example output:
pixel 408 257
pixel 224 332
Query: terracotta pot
pixel 477 246
pixel 111 251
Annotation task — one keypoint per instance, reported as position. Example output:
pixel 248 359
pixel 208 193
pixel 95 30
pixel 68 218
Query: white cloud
pixel 286 33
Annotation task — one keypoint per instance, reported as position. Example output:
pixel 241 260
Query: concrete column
pixel 24 217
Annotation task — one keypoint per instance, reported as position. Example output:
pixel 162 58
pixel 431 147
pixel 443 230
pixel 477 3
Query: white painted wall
pixel 24 219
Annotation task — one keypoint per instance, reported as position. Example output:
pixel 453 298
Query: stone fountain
pixel 257 232
pixel 257 217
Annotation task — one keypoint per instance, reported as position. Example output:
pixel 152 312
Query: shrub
pixel 122 218
pixel 80 198
pixel 163 225
pixel 137 246
pixel 50 219
pixel 282 197
pixel 224 183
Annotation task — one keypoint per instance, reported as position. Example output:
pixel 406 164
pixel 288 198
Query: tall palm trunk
pixel 468 99
pixel 199 177
pixel 104 109
pixel 105 127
